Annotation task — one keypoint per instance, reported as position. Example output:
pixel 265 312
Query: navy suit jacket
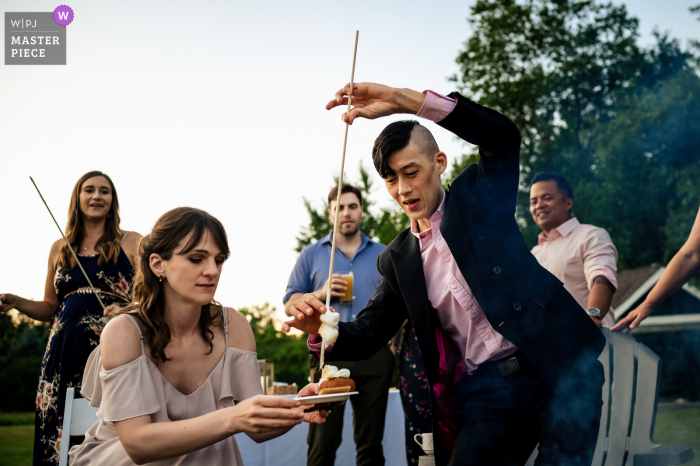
pixel 515 292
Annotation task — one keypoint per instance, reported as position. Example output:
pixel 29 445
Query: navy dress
pixel 415 395
pixel 74 334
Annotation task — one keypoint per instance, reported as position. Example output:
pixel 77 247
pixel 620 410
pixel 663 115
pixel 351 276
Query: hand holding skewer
pixel 372 101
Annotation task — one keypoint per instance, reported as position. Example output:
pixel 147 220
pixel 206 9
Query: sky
pixel 219 105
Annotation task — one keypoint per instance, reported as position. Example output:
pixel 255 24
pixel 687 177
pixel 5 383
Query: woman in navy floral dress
pixel 107 254
pixel 415 396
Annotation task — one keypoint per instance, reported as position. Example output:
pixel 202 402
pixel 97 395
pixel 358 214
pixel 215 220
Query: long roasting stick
pixel 340 186
pixel 68 244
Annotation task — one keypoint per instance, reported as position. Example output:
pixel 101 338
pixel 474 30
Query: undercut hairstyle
pixel 333 195
pixel 562 185
pixel 148 297
pixel 396 137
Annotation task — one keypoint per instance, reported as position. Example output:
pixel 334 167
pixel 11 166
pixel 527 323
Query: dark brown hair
pixel 395 137
pixel 109 245
pixel 148 298
pixel 333 195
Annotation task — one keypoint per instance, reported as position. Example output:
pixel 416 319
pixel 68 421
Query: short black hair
pixel 397 136
pixel 333 195
pixel 563 185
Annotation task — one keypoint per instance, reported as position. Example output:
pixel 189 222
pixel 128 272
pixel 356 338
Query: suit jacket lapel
pixel 454 231
pixel 409 273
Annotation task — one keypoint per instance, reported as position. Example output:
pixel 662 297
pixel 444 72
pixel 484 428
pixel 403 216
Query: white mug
pixel 425 442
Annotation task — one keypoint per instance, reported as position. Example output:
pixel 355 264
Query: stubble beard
pixel 349 231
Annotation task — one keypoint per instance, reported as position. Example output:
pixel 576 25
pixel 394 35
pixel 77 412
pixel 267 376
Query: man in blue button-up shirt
pixel 355 253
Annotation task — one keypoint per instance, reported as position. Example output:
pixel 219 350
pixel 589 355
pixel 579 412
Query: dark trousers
pixel 372 378
pixel 504 418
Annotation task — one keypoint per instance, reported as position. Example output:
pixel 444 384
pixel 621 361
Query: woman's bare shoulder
pixel 120 342
pixel 240 335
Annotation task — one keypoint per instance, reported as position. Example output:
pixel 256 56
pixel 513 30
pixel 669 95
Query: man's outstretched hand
pixel 306 315
pixel 376 100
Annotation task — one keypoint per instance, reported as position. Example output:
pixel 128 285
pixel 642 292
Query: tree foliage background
pixel 621 122
pixel 22 345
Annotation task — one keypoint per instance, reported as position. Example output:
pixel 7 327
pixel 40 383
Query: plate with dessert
pixel 335 385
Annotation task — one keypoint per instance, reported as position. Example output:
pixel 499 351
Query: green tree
pixel 644 187
pixel 380 225
pixel 22 346
pixel 551 66
pixel 560 69
pixel 289 353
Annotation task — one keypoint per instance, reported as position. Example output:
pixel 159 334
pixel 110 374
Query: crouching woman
pixel 176 374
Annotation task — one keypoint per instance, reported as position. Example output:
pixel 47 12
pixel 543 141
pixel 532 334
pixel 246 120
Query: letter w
pixel 16 23
pixel 63 15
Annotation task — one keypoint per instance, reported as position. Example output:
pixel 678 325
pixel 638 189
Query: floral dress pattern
pixel 74 334
pixel 415 395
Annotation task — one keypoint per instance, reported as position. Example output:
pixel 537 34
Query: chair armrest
pixel 664 455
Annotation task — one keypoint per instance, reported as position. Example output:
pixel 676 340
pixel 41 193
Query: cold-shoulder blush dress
pixel 138 388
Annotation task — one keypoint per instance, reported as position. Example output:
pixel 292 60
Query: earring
pixel 160 279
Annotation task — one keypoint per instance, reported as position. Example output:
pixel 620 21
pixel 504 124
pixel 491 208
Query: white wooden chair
pixel 630 396
pixel 78 417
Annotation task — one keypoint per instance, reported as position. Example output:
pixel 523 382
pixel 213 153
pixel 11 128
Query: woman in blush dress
pixel 176 374
pixel 106 253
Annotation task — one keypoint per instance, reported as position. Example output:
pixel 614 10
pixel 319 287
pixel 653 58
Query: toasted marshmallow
pixel 328 332
pixel 332 372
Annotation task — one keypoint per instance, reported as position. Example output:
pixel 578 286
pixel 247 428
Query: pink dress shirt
pixel 576 254
pixel 450 295
pixel 448 292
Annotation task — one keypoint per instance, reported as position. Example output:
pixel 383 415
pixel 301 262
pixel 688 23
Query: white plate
pixel 318 399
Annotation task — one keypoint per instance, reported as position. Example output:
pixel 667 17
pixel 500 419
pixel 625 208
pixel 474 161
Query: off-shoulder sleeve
pixel 240 378
pixel 121 393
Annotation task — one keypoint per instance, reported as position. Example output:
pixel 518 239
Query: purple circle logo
pixel 63 15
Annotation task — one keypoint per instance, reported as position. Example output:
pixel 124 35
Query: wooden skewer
pixel 340 188
pixel 69 246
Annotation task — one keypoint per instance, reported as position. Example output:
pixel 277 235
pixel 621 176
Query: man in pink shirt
pixel 582 256
pixel 510 357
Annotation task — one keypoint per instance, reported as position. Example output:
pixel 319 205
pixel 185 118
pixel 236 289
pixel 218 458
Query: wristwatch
pixel 595 312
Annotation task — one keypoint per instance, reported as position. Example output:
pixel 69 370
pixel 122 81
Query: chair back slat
pixel 84 416
pixel 648 380
pixel 630 395
pixel 78 417
pixel 605 359
pixel 623 376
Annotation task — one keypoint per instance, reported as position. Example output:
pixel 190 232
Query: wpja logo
pixel 37 38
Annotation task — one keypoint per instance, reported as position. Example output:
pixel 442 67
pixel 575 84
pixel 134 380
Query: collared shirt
pixel 576 254
pixel 311 272
pixel 450 295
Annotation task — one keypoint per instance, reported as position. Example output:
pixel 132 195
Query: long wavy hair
pixel 148 296
pixel 109 245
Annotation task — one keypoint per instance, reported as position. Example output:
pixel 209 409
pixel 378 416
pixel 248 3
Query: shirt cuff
pixel 436 107
pixel 314 343
pixel 602 271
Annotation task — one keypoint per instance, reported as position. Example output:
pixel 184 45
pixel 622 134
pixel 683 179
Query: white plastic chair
pixel 630 396
pixel 78 417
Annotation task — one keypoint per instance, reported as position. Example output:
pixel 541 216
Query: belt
pixel 509 365
pixel 88 290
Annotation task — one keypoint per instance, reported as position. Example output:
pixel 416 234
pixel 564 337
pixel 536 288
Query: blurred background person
pixel 358 254
pixel 583 257
pixel 682 267
pixel 107 254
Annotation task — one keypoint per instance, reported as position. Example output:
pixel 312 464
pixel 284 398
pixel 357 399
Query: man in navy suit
pixel 510 356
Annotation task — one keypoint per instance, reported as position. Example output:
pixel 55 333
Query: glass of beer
pixel 347 297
